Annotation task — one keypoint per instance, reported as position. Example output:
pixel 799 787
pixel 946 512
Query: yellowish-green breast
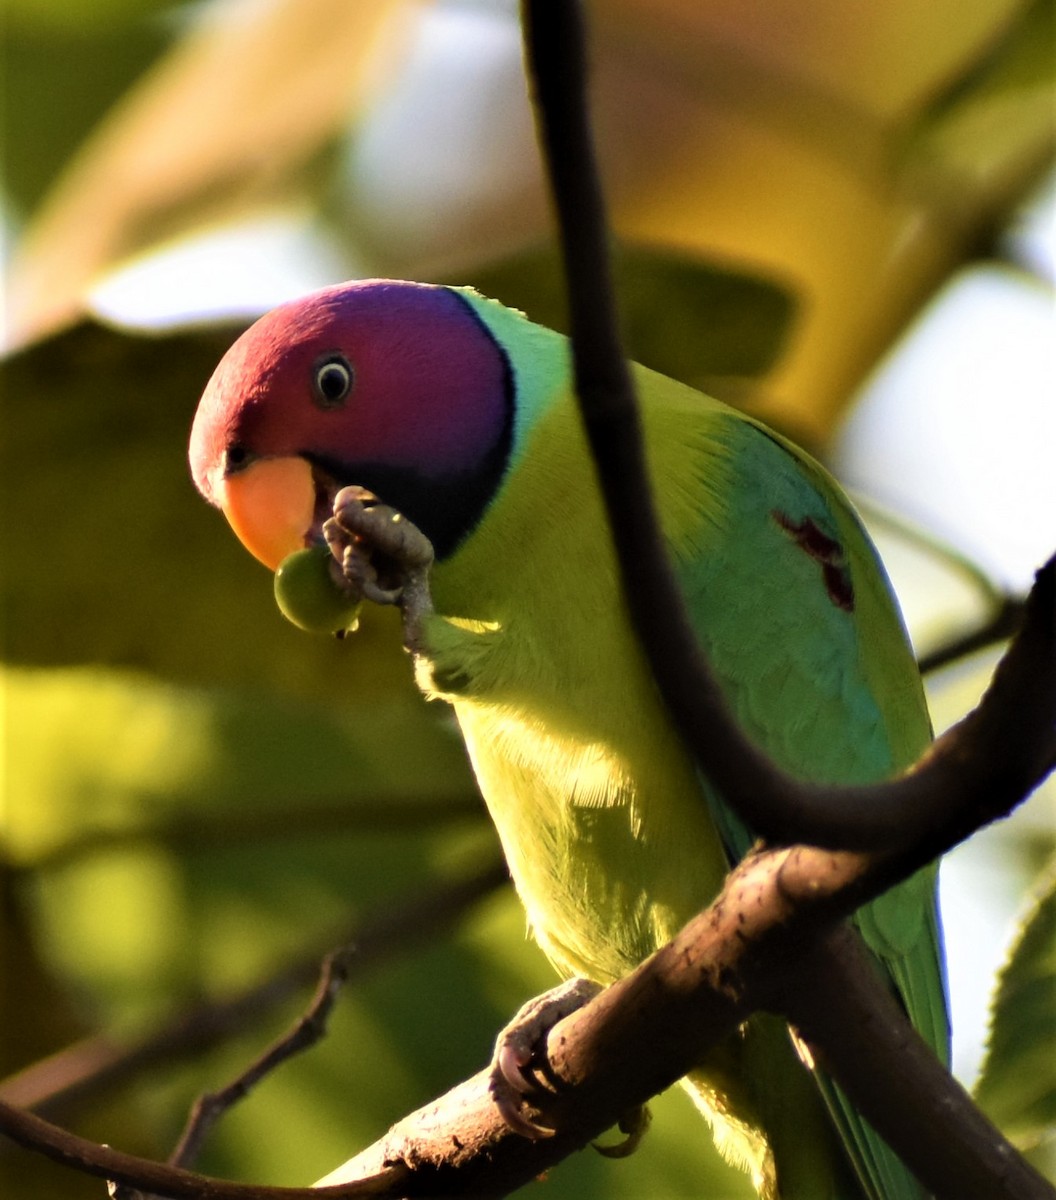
pixel 598 807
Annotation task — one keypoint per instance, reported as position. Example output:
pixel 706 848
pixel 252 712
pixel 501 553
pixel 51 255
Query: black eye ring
pixel 332 379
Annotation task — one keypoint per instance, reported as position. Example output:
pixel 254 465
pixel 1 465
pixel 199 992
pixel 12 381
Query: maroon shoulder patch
pixel 826 552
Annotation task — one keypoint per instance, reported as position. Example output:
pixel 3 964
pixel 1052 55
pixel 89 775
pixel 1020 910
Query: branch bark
pixel 858 1032
pixel 93 1066
pixel 747 950
pixel 779 808
pixel 773 939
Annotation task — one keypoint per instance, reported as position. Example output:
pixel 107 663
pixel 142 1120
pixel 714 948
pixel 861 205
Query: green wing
pixel 796 614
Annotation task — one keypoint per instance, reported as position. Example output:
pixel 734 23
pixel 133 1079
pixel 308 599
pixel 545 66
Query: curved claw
pixel 513 1063
pixel 509 1101
pixel 513 1079
pixel 381 556
pixel 635 1124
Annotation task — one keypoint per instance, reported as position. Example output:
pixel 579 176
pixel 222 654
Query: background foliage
pixel 194 791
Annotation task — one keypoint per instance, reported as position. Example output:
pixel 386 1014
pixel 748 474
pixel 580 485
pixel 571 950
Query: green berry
pixel 308 595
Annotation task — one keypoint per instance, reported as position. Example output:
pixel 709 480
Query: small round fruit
pixel 308 595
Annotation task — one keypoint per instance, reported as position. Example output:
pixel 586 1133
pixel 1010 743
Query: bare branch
pixel 858 1032
pixel 142 1174
pixel 386 934
pixel 772 939
pixel 315 818
pixel 306 1031
pixel 96 1064
pixel 1003 611
pixel 1002 624
pixel 893 815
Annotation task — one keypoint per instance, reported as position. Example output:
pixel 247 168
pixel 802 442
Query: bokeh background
pixel 840 217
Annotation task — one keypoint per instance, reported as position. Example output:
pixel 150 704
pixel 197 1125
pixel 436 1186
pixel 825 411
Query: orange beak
pixel 271 506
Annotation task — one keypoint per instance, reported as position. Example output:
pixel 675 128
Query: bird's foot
pixel 520 1073
pixel 381 556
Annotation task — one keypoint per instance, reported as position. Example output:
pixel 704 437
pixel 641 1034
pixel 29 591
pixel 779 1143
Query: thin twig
pixel 94 1065
pixel 931 544
pixel 1001 625
pixel 1004 612
pixel 145 1175
pixel 308 1029
pixel 386 934
pixel 317 818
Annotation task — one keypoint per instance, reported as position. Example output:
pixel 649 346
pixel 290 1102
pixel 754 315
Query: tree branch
pixel 1001 625
pixel 143 1174
pixel 315 818
pixel 1004 612
pixel 858 1032
pixel 94 1065
pixel 385 934
pixel 773 940
pixel 782 809
pixel 747 951
pixel 778 918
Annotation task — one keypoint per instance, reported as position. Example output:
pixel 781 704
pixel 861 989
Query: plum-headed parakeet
pixel 459 414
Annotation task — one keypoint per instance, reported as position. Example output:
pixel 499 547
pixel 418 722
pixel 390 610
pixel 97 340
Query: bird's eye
pixel 332 381
pixel 235 456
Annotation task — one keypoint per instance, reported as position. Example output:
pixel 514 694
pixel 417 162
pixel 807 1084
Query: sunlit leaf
pixel 1017 1087
pixel 993 127
pixel 230 119
pixel 99 759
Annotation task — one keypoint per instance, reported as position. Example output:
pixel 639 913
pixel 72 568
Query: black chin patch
pixel 446 510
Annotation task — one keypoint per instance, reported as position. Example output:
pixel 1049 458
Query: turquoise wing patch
pixel 795 613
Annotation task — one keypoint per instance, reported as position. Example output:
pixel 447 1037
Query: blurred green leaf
pixel 689 319
pixel 993 128
pixel 1017 1087
pixel 85 15
pixel 50 101
pixel 99 758
pixel 136 927
pixel 109 555
pixel 38 1014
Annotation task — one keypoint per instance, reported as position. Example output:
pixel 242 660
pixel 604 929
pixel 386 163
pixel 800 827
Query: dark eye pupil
pixel 333 381
pixel 236 456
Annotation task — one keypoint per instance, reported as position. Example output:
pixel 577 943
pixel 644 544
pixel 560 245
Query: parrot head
pixel 398 387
